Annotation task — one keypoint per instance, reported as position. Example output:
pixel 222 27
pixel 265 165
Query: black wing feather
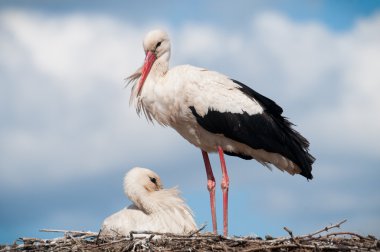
pixel 267 103
pixel 269 131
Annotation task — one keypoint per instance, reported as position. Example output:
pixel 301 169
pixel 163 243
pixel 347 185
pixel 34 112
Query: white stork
pixel 216 114
pixel 154 208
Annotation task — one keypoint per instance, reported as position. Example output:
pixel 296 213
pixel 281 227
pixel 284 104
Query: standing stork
pixel 216 114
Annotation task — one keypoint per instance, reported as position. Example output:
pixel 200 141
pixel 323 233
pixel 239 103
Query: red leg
pixel 225 186
pixel 211 188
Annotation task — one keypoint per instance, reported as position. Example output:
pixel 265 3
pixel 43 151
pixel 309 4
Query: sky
pixel 68 134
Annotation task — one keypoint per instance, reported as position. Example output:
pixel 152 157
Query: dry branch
pixel 152 241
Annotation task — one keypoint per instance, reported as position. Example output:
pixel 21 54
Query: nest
pixel 321 240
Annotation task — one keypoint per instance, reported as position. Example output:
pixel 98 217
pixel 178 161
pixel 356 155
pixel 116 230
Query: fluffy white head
pixel 158 42
pixel 139 183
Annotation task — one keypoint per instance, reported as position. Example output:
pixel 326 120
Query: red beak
pixel 149 60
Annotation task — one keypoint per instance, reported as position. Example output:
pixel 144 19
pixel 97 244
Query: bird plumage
pixel 187 104
pixel 216 113
pixel 268 132
pixel 154 208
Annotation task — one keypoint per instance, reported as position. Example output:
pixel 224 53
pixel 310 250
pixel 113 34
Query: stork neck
pixel 143 200
pixel 160 66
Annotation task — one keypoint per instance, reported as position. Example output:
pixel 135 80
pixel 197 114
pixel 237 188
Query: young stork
pixel 216 114
pixel 154 208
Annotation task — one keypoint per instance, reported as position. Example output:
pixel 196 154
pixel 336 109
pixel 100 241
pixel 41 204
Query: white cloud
pixel 204 44
pixel 72 48
pixel 351 125
pixel 62 95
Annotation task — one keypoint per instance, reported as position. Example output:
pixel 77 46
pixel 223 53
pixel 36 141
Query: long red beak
pixel 149 60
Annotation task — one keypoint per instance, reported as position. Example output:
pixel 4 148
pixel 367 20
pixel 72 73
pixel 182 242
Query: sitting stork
pixel 154 209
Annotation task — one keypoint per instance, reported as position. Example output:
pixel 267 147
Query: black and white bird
pixel 216 114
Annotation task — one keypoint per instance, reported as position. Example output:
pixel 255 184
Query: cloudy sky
pixel 68 135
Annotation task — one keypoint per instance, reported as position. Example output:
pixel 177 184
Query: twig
pixel 289 231
pixel 97 237
pixel 113 242
pixel 74 239
pixel 291 236
pixel 325 229
pixel 68 231
pixel 284 246
pixel 197 231
pixel 169 234
pixel 345 233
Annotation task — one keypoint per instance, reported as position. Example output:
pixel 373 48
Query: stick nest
pixel 321 240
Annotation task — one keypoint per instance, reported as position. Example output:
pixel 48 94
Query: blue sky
pixel 68 135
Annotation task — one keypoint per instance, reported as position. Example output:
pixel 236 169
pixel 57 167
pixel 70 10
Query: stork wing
pixel 228 107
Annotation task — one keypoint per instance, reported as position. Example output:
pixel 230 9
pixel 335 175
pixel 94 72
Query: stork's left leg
pixel 225 185
pixel 211 189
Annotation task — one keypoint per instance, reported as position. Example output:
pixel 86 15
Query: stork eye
pixel 158 44
pixel 154 180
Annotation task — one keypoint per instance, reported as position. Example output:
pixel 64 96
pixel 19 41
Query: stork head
pixel 158 43
pixel 139 182
pixel 157 47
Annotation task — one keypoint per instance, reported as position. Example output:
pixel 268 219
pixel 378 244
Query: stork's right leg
pixel 225 186
pixel 211 188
